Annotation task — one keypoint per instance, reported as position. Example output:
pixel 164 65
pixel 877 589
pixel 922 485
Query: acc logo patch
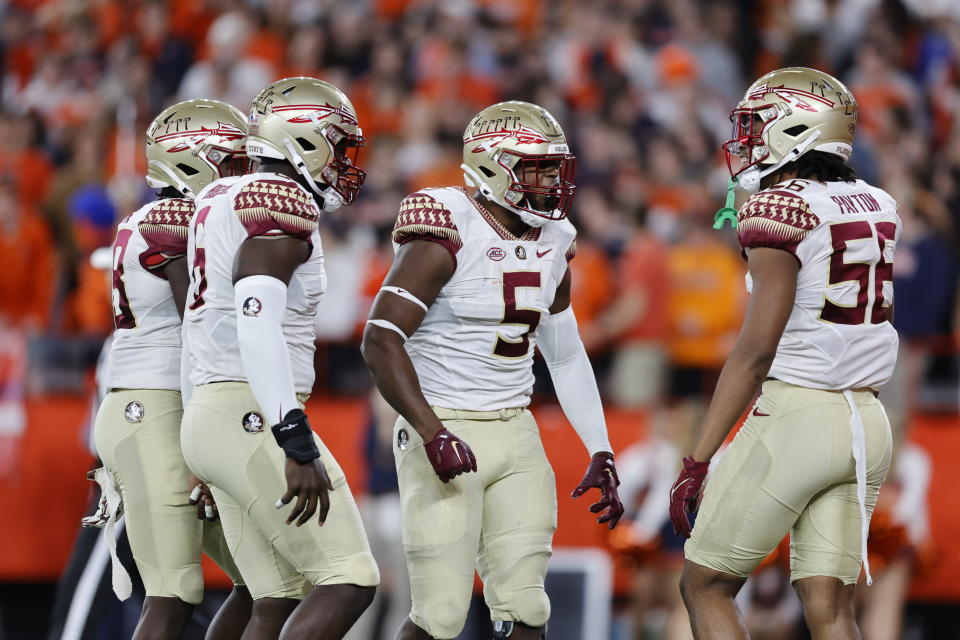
pixel 521 253
pixel 252 306
pixel 403 439
pixel 252 422
pixel 496 254
pixel 134 412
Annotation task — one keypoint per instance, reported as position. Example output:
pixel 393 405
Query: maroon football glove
pixel 685 494
pixel 449 455
pixel 602 474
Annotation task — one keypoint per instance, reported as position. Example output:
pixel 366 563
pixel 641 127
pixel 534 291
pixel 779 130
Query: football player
pixel 813 452
pixel 257 276
pixel 137 430
pixel 480 277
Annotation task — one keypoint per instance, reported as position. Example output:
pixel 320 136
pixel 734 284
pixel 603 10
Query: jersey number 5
pixel 198 279
pixel 529 318
pixel 122 315
pixel 870 275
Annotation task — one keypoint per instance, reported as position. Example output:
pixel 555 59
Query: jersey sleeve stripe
pixel 423 217
pixel 275 208
pixel 776 220
pixel 164 229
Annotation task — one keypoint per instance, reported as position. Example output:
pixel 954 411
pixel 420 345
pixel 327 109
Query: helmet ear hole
pixel 187 169
pixel 487 172
pixel 306 144
pixel 796 130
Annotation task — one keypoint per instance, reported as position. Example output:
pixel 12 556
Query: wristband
pixel 295 437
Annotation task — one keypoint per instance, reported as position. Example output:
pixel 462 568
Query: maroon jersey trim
pixel 776 220
pixel 423 217
pixel 268 208
pixel 164 229
pixel 532 234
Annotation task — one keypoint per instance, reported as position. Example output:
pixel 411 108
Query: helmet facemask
pixel 542 184
pixel 342 173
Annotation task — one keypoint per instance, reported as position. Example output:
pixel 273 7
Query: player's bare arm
pixel 178 276
pixel 774 274
pixel 259 261
pixel 421 268
pixel 576 388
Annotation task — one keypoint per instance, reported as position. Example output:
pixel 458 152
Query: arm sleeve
pixel 276 208
pixel 573 379
pixel 164 229
pixel 423 217
pixel 260 303
pixel 776 220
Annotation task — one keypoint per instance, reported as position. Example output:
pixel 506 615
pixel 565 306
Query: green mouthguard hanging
pixel 727 213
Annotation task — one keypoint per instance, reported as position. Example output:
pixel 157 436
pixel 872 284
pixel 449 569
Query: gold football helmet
pixel 507 143
pixel 193 143
pixel 312 125
pixel 785 114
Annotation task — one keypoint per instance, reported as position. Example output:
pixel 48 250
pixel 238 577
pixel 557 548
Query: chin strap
pixel 331 199
pixel 175 180
pixel 473 180
pixel 750 179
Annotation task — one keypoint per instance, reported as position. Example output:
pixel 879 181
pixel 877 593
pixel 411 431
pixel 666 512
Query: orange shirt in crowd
pixel 27 265
pixel 591 282
pixel 32 172
pixel 705 303
pixel 644 269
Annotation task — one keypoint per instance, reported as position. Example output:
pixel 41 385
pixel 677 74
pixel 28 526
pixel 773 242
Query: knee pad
pixel 441 619
pixel 530 607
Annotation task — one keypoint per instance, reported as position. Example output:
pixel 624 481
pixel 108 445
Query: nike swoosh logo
pixel 674 490
pixel 540 255
pixel 759 414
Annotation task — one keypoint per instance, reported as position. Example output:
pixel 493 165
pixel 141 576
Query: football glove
pixel 602 474
pixel 685 494
pixel 449 455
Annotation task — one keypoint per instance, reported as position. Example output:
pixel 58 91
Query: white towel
pixel 860 463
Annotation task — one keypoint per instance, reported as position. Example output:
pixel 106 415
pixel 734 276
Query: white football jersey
pixel 844 235
pixel 474 349
pixel 229 211
pixel 145 353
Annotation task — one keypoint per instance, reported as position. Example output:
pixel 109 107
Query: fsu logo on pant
pixel 133 412
pixel 252 422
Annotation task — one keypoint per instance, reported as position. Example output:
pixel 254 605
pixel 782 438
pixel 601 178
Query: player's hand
pixel 449 455
pixel 201 496
pixel 310 484
pixel 685 494
pixel 602 475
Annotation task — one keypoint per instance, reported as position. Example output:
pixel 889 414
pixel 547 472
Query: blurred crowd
pixel 642 88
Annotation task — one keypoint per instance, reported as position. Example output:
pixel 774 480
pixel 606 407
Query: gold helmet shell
pixel 193 143
pixel 508 136
pixel 785 114
pixel 312 125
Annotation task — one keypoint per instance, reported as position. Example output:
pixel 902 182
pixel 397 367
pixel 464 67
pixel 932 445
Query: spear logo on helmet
pixel 192 138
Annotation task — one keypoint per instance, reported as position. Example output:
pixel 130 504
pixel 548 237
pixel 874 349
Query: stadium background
pixel 642 87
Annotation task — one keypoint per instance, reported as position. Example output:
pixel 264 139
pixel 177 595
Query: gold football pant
pixel 499 521
pixel 137 434
pixel 228 444
pixel 791 469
